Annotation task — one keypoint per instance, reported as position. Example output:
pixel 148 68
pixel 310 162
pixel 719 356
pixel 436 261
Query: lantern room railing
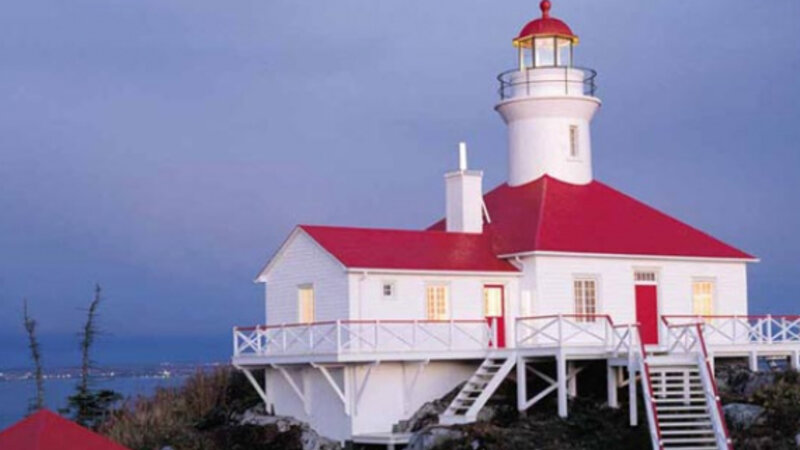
pixel 554 80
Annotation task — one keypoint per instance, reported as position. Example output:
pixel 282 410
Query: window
pixel 703 298
pixel 387 290
pixel 585 298
pixel 493 301
pixel 436 302
pixel 644 277
pixel 305 303
pixel 573 141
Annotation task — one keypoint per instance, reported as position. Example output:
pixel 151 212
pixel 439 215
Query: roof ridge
pixel 389 230
pixel 539 226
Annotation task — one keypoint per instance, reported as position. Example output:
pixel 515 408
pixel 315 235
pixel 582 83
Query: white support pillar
pixel 522 384
pixel 561 379
pixel 611 380
pixel 753 360
pixel 632 406
pixel 794 360
pixel 572 380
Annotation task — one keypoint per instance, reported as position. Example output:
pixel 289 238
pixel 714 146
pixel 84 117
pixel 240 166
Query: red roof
pixel 46 430
pixel 546 25
pixel 371 248
pixel 550 215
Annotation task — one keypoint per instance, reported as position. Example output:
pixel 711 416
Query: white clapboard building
pixel 529 281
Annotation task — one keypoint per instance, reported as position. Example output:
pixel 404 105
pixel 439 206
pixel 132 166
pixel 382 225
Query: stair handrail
pixel 712 394
pixel 647 389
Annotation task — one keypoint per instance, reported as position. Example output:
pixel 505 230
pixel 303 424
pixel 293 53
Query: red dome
pixel 546 25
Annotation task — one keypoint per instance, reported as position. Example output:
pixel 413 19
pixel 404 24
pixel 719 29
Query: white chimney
pixel 464 197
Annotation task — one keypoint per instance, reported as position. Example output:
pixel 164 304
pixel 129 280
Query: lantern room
pixel 545 42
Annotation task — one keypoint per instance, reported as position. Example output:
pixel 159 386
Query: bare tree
pixel 36 355
pixel 90 407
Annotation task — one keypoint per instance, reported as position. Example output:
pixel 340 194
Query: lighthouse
pixel 547 103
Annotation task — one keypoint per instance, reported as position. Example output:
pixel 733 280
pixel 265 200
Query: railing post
pixel 450 335
pixel 769 328
pixel 338 336
pixel 560 333
pixel 235 344
pixel 375 335
pixel 258 339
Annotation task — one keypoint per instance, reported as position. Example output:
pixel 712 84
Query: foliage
pixel 90 407
pixel 199 415
pixel 33 344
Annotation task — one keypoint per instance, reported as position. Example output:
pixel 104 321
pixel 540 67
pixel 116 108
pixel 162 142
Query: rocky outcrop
pixel 309 439
pixel 742 416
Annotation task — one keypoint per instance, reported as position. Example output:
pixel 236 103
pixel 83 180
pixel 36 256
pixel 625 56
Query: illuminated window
pixel 573 141
pixel 436 302
pixel 305 303
pixel 493 301
pixel 585 298
pixel 388 291
pixel 703 298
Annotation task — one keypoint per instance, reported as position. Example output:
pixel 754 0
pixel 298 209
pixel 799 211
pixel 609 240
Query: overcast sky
pixel 164 148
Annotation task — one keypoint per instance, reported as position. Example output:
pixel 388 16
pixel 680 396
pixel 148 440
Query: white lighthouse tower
pixel 548 103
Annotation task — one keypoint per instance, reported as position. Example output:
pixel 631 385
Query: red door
pixel 495 311
pixel 647 312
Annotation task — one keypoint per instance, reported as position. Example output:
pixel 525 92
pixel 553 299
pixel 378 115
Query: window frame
pixel 393 286
pixel 447 309
pixel 712 296
pixel 302 312
pixel 575 300
pixel 574 145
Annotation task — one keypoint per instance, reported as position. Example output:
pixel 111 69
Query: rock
pixel 742 415
pixel 427 414
pixel 309 439
pixel 432 436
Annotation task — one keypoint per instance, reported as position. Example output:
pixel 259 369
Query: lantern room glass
pixel 546 51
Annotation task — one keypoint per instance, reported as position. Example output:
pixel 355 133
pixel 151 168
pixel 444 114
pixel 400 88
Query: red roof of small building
pixel 46 430
pixel 371 248
pixel 546 25
pixel 550 215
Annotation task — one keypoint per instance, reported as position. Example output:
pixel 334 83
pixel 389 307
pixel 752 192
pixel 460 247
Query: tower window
pixel 574 151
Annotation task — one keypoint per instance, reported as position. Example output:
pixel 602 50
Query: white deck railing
pixel 576 330
pixel 738 330
pixel 364 337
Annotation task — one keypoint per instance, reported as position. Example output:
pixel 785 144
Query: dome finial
pixel 545 7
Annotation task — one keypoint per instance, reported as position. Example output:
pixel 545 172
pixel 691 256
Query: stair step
pixel 697 432
pixel 662 416
pixel 688 440
pixel 699 423
pixel 688 401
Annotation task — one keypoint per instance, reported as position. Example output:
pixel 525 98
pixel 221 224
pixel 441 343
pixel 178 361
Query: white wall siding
pixel 554 275
pixel 303 261
pixel 465 296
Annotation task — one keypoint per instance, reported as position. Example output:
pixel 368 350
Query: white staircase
pixel 477 390
pixel 683 407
